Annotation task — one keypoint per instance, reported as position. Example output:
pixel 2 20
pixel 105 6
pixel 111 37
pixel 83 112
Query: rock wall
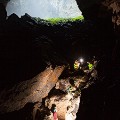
pixel 66 104
pixel 114 6
pixel 29 91
pixel 41 92
pixel 98 9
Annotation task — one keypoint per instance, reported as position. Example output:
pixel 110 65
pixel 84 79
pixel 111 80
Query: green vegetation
pixel 55 21
pixel 64 20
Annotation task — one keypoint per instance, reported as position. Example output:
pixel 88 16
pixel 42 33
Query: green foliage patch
pixel 64 20
pixel 55 21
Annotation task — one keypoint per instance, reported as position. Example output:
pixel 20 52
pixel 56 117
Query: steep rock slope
pixel 29 91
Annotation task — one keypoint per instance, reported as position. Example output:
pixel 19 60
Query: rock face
pixel 114 6
pixel 44 9
pixel 66 96
pixel 41 92
pixel 97 9
pixel 102 102
pixel 67 106
pixel 29 91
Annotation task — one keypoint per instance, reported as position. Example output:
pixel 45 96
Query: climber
pixel 90 65
pixel 55 113
pixel 76 65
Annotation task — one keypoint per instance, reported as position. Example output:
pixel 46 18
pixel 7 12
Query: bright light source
pixel 81 60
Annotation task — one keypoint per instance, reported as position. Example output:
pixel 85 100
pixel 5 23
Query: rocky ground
pixel 41 93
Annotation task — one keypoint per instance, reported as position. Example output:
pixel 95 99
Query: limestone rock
pixel 29 91
pixel 67 106
pixel 115 6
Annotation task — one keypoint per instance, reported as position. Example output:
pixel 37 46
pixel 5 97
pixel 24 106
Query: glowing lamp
pixel 81 60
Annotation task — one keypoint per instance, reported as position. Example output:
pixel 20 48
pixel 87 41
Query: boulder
pixel 29 91
pixel 66 104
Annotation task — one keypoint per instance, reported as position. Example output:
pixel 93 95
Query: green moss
pixel 55 21
pixel 64 20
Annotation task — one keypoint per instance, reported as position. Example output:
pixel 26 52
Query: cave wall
pixel 101 9
pixel 101 101
pixel 30 90
pixel 89 9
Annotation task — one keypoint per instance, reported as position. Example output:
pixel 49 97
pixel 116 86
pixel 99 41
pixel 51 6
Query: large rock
pixel 67 105
pixel 114 6
pixel 29 91
pixel 89 9
pixel 101 9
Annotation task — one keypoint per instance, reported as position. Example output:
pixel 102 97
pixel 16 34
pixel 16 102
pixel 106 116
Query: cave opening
pixel 44 9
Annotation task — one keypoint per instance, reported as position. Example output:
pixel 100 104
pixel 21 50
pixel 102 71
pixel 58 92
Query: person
pixel 54 110
pixel 76 65
pixel 90 65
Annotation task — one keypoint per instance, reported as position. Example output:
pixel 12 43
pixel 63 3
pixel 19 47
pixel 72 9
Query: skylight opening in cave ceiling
pixel 44 8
